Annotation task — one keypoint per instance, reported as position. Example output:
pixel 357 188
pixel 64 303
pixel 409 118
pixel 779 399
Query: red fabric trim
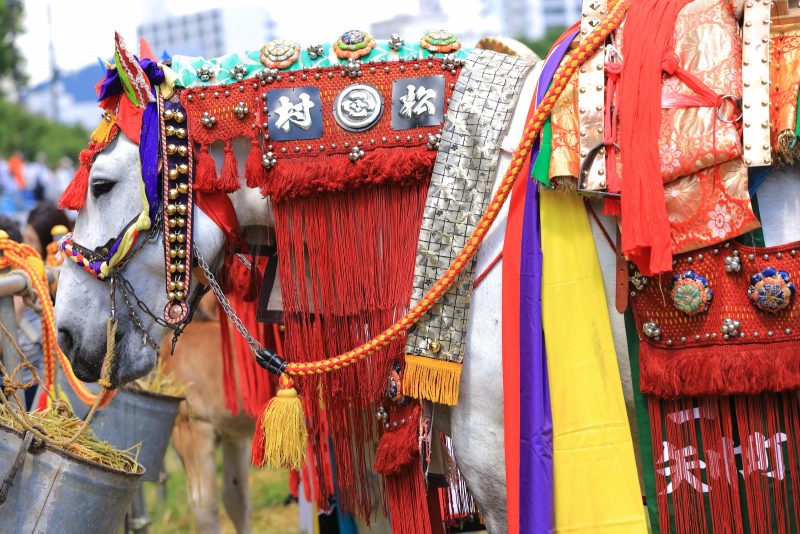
pixel 219 208
pixel 691 357
pixel 129 119
pixel 722 369
pixel 512 258
pixel 645 225
pixel 309 176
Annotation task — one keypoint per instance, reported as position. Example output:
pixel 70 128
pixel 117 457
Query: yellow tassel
pixel 103 130
pixel 431 379
pixel 285 429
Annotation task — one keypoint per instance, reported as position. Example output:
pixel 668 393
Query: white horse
pixel 476 423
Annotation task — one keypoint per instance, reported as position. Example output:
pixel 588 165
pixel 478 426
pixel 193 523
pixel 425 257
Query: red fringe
pixel 700 486
pixel 742 368
pixel 205 172
pixel 254 170
pixel 408 503
pixel 366 284
pixel 228 178
pixel 303 177
pixel 74 196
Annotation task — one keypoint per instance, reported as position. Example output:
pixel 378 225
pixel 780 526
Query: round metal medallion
pixel 358 107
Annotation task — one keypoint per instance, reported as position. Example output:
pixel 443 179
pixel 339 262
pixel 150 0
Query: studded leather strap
pixel 755 76
pixel 591 99
pixel 177 204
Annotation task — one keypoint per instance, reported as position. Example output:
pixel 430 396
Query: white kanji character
pixel 678 465
pixel 297 114
pixel 417 102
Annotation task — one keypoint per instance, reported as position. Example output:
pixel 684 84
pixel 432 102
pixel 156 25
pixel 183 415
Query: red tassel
pixel 74 196
pixel 205 172
pixel 399 447
pixel 253 170
pixel 228 179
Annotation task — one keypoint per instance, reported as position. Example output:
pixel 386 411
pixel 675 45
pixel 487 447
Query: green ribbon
pixel 541 168
pixel 642 423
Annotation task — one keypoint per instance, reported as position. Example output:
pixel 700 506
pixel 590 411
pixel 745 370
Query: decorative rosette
pixel 354 44
pixel 280 54
pixel 440 41
pixel 394 390
pixel 690 293
pixel 771 290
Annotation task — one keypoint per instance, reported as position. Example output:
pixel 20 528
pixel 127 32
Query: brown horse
pixel 204 421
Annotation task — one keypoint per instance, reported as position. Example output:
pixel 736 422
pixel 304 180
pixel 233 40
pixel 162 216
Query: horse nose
pixel 65 340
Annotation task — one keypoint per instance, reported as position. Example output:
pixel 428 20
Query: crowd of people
pixel 23 183
pixel 36 232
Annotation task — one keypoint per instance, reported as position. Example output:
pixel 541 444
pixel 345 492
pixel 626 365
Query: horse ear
pixel 144 50
pixel 134 81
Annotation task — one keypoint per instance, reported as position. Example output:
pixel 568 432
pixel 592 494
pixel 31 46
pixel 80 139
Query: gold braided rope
pixel 590 44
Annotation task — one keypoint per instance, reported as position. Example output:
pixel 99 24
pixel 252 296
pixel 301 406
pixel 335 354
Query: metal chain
pixel 255 346
pixel 137 322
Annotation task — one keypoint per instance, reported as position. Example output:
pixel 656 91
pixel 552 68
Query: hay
pixel 161 382
pixel 59 424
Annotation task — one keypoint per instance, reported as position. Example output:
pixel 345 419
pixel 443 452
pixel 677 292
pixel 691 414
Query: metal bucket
pixel 136 416
pixel 55 491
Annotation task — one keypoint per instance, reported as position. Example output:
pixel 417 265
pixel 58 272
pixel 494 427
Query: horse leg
pixel 195 442
pixel 477 420
pixel 235 485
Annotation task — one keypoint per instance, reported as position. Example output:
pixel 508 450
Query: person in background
pixel 29 324
pixel 16 167
pixel 42 218
pixel 38 177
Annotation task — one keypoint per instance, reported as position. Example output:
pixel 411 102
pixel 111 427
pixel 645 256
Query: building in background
pixel 532 18
pixel 209 34
pixel 71 98
pixel 473 19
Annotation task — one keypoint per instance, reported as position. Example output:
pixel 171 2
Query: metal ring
pixel 736 102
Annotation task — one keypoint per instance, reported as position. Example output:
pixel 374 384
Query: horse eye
pixel 101 187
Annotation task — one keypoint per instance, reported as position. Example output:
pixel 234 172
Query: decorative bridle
pixel 172 220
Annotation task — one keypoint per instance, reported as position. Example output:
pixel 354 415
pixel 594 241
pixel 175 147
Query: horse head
pixel 83 305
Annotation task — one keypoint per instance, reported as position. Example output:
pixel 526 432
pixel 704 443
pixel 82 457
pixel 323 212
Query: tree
pixel 11 62
pixel 34 134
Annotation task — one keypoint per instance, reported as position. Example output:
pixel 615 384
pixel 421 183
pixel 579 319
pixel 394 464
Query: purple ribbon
pixel 536 424
pixel 148 153
pixel 551 63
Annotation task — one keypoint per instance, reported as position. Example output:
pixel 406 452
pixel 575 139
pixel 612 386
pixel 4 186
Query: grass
pixel 170 511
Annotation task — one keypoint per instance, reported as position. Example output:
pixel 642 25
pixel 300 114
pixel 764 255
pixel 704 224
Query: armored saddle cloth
pixel 724 322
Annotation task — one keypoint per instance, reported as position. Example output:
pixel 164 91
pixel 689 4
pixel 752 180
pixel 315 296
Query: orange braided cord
pixel 18 256
pixel 565 71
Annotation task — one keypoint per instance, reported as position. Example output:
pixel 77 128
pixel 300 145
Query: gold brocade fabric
pixel 708 45
pixel 565 159
pixel 709 207
pixel 784 78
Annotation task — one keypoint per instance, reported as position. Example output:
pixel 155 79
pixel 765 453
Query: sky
pixel 83 30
